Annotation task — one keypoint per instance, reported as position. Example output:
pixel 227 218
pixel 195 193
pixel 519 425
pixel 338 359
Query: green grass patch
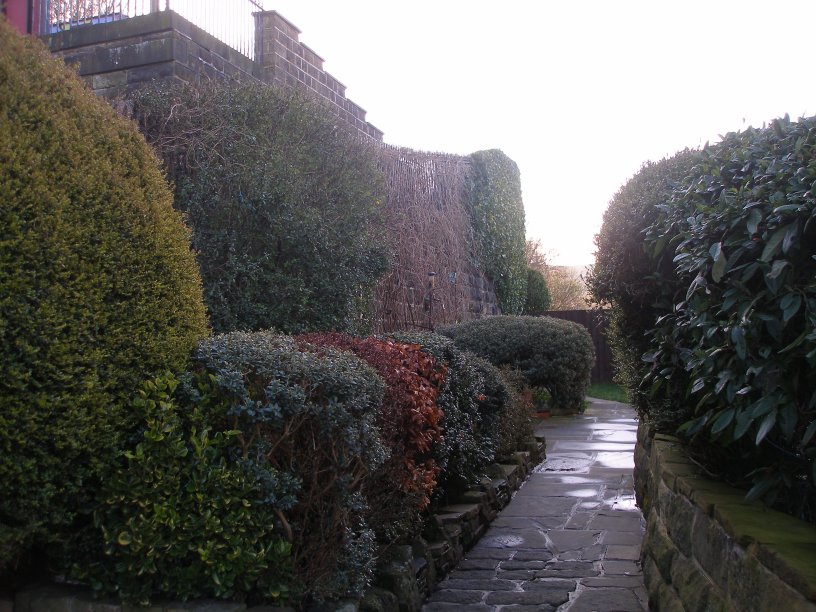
pixel 608 391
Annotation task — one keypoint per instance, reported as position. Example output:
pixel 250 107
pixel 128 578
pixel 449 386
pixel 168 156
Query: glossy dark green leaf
pixel 766 426
pixel 790 305
pixel 772 246
pixel 777 268
pixel 720 263
pixel 811 429
pixel 723 421
pixel 738 338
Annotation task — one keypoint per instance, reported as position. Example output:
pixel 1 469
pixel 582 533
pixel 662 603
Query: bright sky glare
pixel 578 92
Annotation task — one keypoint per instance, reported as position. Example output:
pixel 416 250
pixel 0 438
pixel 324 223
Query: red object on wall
pixel 22 14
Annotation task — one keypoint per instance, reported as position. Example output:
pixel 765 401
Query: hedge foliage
pixel 617 280
pixel 550 353
pixel 410 422
pixel 537 301
pixel 470 424
pixel 734 345
pixel 497 216
pixel 98 289
pixel 181 518
pixel 307 417
pixel 284 206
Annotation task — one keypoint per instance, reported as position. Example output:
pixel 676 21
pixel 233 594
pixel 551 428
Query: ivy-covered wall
pixel 497 216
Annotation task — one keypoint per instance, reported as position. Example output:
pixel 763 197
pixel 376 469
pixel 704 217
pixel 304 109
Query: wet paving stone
pixel 570 538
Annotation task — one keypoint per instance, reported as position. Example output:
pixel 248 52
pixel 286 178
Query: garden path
pixel 570 538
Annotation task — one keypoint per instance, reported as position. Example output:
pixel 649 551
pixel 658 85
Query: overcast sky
pixel 578 93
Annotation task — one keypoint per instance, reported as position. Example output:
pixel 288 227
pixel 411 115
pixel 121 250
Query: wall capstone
pixel 706 548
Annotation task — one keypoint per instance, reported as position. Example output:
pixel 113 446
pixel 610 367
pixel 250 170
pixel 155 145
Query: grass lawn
pixel 607 391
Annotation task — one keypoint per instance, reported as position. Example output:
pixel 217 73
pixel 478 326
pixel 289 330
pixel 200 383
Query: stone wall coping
pixel 783 543
pixel 141 26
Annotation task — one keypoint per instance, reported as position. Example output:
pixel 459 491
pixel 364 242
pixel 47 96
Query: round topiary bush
pixel 549 352
pixel 98 288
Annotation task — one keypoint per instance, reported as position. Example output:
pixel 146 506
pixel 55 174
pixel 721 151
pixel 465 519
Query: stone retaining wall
pixel 405 574
pixel 707 549
pixel 114 58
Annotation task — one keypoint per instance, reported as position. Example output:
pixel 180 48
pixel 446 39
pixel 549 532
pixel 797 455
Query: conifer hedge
pixel 98 289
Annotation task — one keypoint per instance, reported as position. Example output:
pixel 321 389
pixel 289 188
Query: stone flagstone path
pixel 570 538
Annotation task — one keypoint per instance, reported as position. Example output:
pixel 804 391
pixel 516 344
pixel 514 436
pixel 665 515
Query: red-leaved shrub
pixel 409 421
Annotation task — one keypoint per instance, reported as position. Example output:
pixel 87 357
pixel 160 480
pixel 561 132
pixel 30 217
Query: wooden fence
pixel 596 323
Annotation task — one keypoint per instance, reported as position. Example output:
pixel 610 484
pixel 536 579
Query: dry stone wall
pixel 707 549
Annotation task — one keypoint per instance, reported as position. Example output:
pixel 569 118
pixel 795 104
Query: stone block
pixel 678 515
pixel 691 584
pixel 456 596
pixel 477 585
pixel 590 600
pixel 553 597
pixel 658 546
pixel 653 580
pixel 712 548
pixel 150 73
pixel 110 79
pixel 379 600
pixel 666 601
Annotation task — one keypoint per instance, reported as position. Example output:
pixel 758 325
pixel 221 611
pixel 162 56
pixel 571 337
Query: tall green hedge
pixel 283 203
pixel 497 216
pixel 730 259
pixel 619 278
pixel 98 288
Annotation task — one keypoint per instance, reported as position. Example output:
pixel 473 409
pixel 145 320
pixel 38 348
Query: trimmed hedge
pixel 471 416
pixel 309 416
pixel 549 352
pixel 285 207
pixel 181 518
pixel 618 278
pixel 98 290
pixel 732 345
pixel 516 424
pixel 410 421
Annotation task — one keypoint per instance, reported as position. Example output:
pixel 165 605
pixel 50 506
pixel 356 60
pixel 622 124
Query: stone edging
pixel 707 549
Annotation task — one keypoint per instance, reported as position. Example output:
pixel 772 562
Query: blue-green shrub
pixel 549 352
pixel 309 415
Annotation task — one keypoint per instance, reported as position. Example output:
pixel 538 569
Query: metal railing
pixel 230 21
